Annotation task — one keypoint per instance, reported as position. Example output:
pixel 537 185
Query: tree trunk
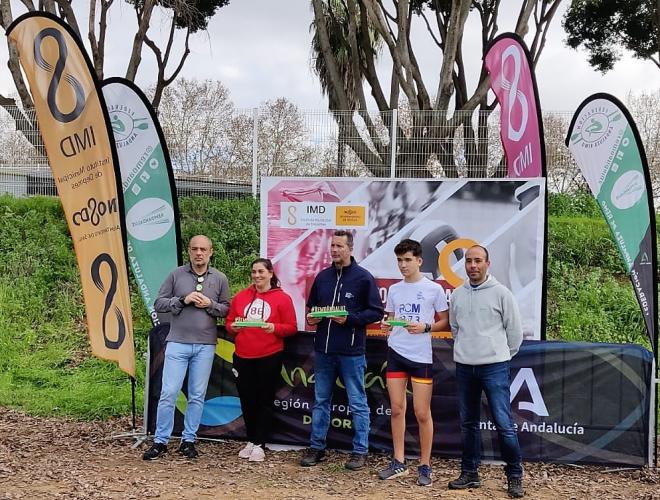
pixel 144 18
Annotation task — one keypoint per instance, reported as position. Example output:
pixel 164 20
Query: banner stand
pixel 653 421
pixel 141 435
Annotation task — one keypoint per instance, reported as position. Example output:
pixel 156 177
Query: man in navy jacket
pixel 340 346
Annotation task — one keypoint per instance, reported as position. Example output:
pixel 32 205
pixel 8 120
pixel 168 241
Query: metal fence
pixel 225 154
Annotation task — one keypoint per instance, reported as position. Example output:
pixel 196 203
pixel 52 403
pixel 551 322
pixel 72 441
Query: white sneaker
pixel 257 454
pixel 246 451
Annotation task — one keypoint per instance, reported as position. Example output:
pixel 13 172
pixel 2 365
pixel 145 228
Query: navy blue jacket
pixel 354 288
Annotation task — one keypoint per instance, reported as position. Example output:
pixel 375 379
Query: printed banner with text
pixel 73 123
pixel 512 79
pixel 607 147
pixel 299 215
pixel 572 403
pixel 151 209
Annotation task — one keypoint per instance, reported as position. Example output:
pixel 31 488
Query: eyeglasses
pixel 199 286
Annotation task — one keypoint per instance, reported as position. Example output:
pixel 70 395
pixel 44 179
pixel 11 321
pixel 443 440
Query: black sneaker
pixel 156 451
pixel 312 456
pixel 187 449
pixel 356 461
pixel 515 487
pixel 465 480
pixel 394 470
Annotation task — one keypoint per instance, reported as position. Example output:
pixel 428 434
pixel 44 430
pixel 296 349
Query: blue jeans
pixel 351 370
pixel 197 359
pixel 494 380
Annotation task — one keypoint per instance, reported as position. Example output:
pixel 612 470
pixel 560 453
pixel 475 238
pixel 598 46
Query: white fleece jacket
pixel 485 323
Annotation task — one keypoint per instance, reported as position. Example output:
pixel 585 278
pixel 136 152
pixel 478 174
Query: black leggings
pixel 256 383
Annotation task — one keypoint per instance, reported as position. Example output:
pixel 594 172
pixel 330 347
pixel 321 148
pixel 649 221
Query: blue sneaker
pixel 424 474
pixel 394 470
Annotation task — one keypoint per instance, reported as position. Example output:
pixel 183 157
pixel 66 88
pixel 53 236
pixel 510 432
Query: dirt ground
pixel 56 458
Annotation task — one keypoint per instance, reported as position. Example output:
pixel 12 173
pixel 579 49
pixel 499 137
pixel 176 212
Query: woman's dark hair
pixel 274 280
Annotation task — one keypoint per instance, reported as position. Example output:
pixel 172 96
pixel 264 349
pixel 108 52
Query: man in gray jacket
pixel 485 323
pixel 196 295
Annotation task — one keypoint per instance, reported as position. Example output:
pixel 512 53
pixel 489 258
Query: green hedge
pixel 45 364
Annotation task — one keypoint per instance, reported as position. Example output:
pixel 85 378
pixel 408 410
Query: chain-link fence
pixel 225 156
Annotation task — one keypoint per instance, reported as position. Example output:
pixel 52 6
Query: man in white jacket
pixel 485 323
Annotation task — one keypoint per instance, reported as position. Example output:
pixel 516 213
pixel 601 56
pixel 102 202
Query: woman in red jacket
pixel 258 354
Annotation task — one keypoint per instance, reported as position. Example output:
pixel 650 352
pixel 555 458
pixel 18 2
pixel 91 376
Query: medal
pixel 199 286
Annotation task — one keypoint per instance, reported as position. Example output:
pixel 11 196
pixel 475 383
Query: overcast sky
pixel 260 50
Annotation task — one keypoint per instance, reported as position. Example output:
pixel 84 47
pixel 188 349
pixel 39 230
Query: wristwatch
pixel 427 327
pixel 182 300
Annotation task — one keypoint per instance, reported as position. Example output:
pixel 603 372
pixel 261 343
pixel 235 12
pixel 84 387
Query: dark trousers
pixel 494 380
pixel 256 381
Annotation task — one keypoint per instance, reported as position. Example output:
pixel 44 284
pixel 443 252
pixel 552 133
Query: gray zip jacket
pixel 485 323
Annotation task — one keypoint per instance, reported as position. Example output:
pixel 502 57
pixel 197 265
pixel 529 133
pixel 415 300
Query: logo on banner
pixel 595 126
pixel 109 297
pixel 125 125
pixel 512 52
pixel 537 404
pixel 322 215
pixel 628 189
pixel 94 211
pixel 350 216
pixel 149 219
pixel 58 76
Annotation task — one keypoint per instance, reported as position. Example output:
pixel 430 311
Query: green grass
pixel 45 364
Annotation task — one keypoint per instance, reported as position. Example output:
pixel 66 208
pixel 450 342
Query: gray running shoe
pixel 394 470
pixel 424 474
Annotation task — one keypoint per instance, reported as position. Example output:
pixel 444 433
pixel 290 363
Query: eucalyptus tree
pixel 375 55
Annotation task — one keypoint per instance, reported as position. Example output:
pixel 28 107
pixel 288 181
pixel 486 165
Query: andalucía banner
pixel 151 210
pixel 606 145
pixel 508 62
pixel 72 119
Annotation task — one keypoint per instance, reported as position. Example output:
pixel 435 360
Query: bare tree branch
pixel 177 70
pixel 144 18
pixel 542 27
pixel 48 6
pixel 526 9
pixel 460 10
pixel 66 13
pixel 29 5
pixel 98 46
pixel 428 28
pixel 370 73
pixel 398 65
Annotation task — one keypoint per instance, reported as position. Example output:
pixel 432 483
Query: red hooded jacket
pixel 273 306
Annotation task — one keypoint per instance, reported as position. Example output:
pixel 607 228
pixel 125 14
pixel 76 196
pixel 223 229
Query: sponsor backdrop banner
pixel 606 145
pixel 151 209
pixel 573 403
pixel 298 217
pixel 73 123
pixel 508 62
